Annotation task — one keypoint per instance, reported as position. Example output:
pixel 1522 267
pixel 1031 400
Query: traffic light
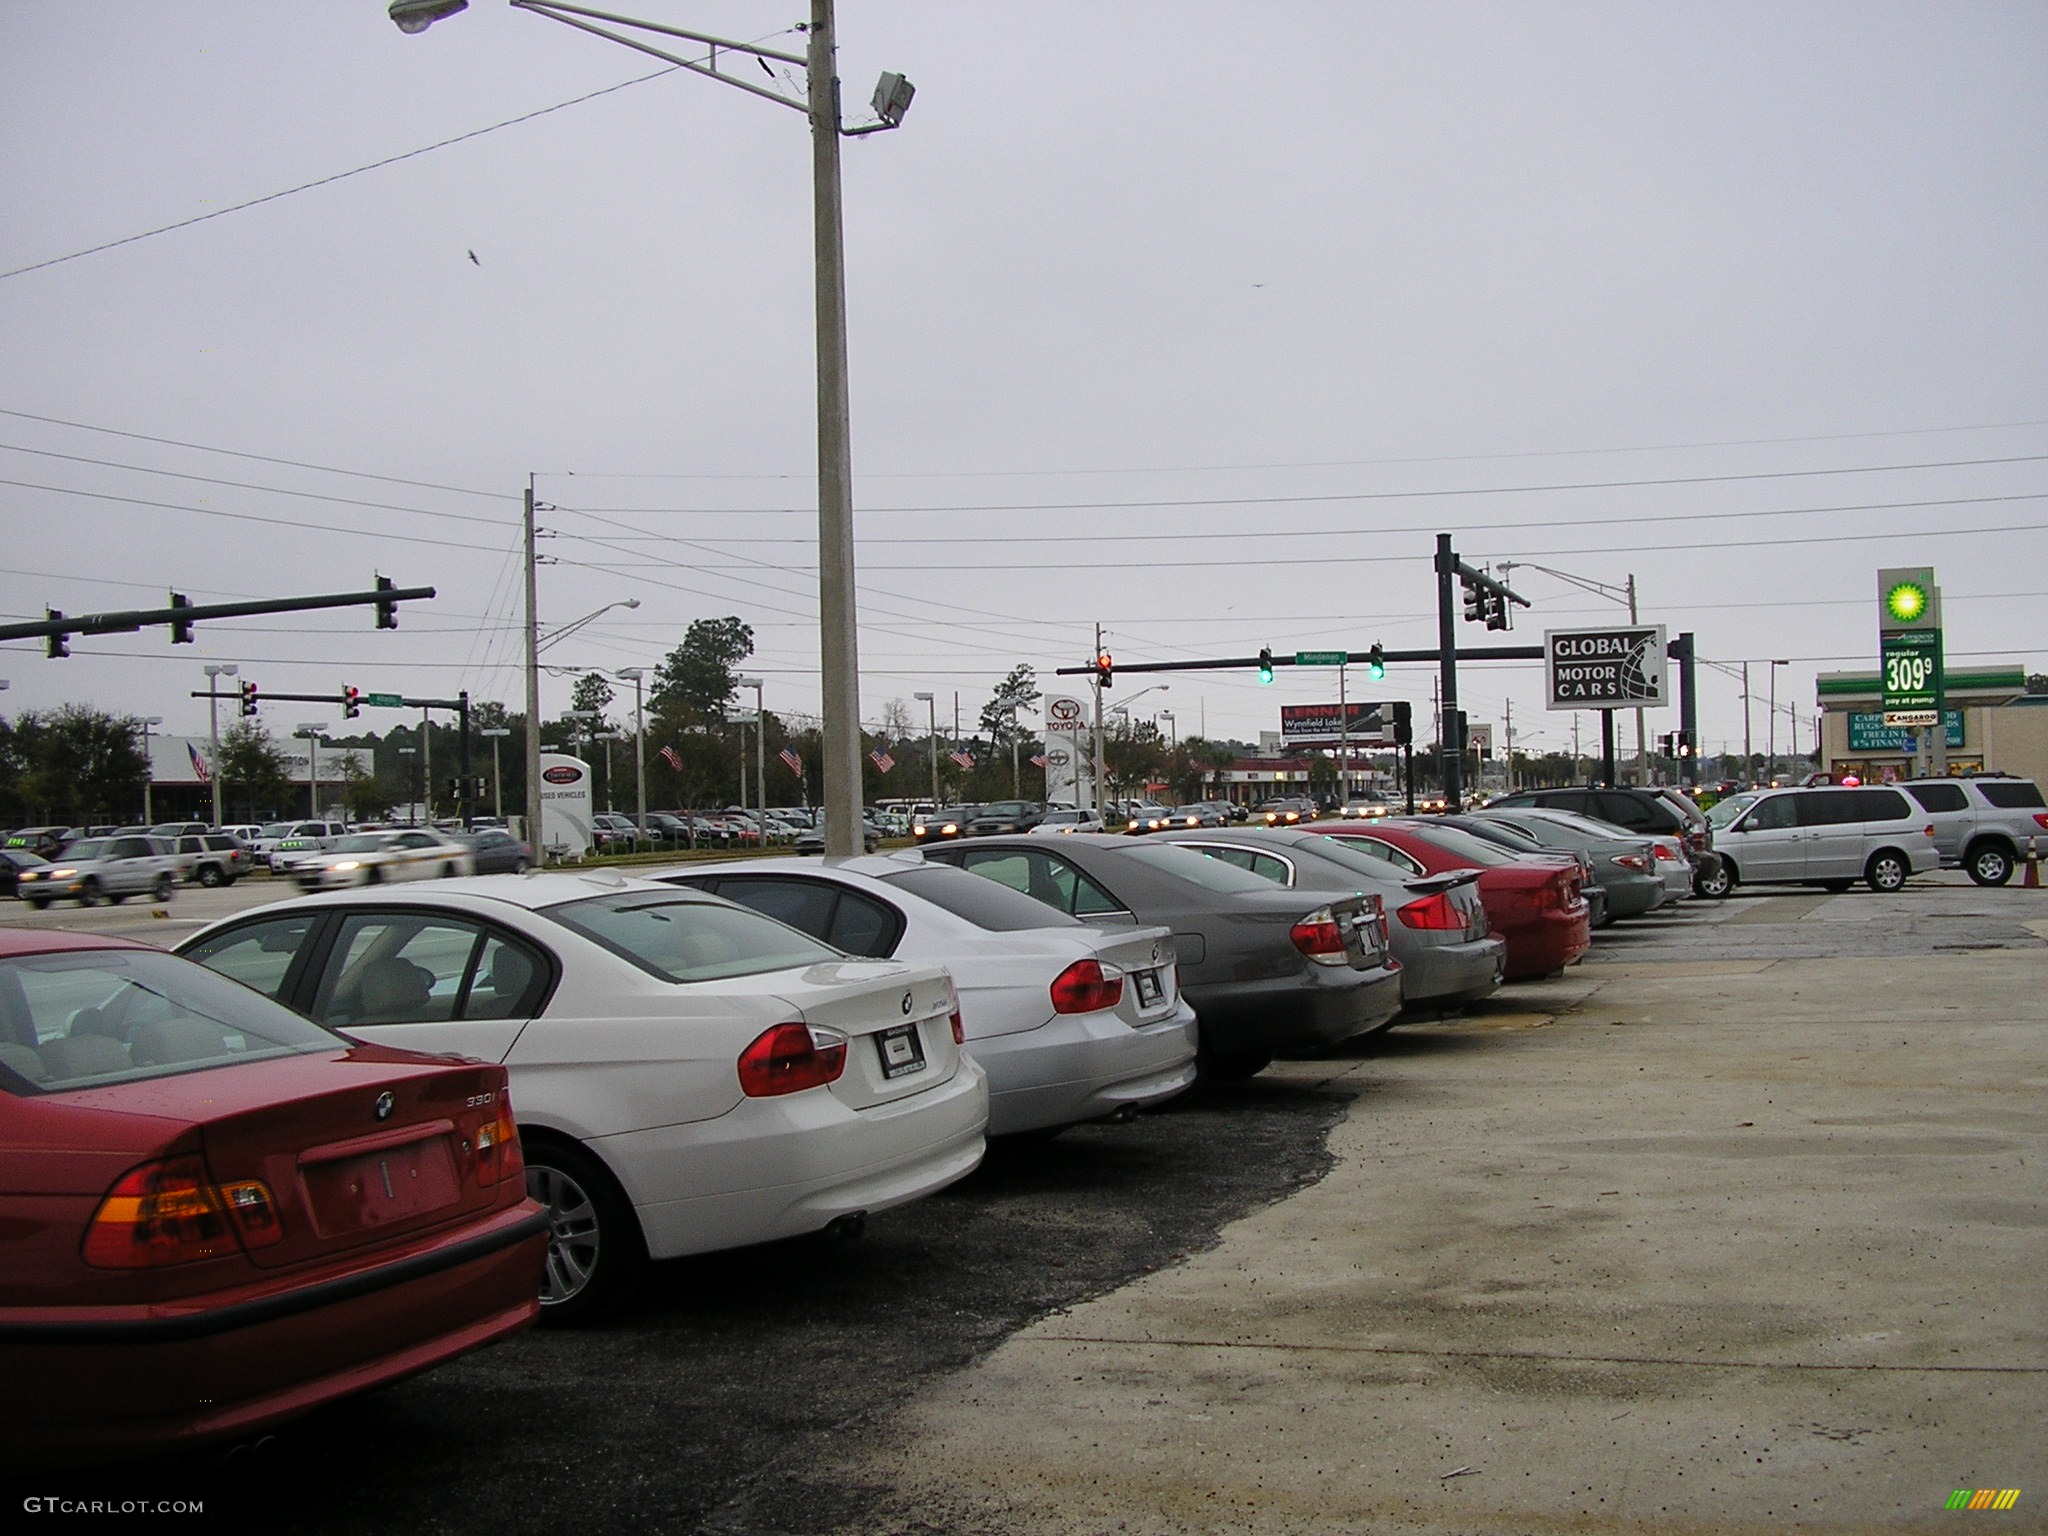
pixel 1376 662
pixel 1496 610
pixel 1667 745
pixel 1265 664
pixel 55 645
pixel 351 701
pixel 181 629
pixel 1105 669
pixel 1475 599
pixel 248 698
pixel 387 610
pixel 1682 740
pixel 1404 723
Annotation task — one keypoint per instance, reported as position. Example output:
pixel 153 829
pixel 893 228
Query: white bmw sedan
pixel 1071 1023
pixel 687 1075
pixel 378 858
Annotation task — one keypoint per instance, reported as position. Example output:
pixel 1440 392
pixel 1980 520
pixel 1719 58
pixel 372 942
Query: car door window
pixel 2011 795
pixel 1939 797
pixel 1385 852
pixel 509 982
pixel 1773 815
pixel 397 968
pixel 1625 811
pixel 806 905
pixel 861 926
pixel 1819 808
pixel 258 954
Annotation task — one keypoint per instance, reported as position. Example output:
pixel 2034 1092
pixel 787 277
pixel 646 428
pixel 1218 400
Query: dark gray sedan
pixel 1449 953
pixel 1625 868
pixel 1269 971
pixel 497 851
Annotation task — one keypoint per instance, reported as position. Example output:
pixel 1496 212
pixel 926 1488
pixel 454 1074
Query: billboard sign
pixel 1619 668
pixel 1304 725
pixel 564 805
pixel 1869 733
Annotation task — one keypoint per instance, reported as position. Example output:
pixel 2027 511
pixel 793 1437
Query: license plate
pixel 902 1051
pixel 1149 990
pixel 363 1192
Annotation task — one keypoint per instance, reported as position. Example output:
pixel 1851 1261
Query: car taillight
pixel 1319 937
pixel 1433 914
pixel 1633 861
pixel 2041 818
pixel 498 1153
pixel 1668 854
pixel 790 1058
pixel 170 1212
pixel 1548 897
pixel 1085 987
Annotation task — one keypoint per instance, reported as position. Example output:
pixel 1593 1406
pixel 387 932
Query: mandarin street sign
pixel 385 700
pixel 1619 668
pixel 1321 658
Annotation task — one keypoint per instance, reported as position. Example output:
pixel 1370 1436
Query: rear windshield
pixel 87 1018
pixel 984 902
pixel 681 938
pixel 2011 795
pixel 1196 868
pixel 1462 844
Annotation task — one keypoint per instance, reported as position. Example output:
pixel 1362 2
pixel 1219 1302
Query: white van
pixel 1830 837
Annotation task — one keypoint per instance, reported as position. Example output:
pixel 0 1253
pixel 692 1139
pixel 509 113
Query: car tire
pixel 374 876
pixel 520 866
pixel 164 889
pixel 1229 1066
pixel 89 893
pixel 1886 872
pixel 597 1257
pixel 210 876
pixel 1717 885
pixel 1836 886
pixel 40 903
pixel 1989 864
pixel 450 871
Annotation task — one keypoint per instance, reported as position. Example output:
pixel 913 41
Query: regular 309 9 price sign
pixel 1910 662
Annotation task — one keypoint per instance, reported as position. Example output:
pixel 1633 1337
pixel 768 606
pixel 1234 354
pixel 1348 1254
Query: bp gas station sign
pixel 1909 645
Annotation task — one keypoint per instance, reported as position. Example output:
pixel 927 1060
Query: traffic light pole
pixel 181 616
pixel 1451 754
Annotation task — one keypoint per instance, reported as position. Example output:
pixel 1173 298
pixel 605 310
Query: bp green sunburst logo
pixel 1906 601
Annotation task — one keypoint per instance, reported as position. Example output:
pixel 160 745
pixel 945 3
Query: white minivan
pixel 1825 836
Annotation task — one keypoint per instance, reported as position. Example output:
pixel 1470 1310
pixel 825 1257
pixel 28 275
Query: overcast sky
pixel 1196 320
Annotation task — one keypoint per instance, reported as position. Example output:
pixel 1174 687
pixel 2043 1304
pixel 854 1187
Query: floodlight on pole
pixel 214 673
pixel 839 663
pixel 760 755
pixel 931 709
pixel 638 677
pixel 148 764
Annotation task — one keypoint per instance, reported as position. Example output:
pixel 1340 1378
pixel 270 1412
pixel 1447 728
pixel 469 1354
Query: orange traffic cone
pixel 2033 875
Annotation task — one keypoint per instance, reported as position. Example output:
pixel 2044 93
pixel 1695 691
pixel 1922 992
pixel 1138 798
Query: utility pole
pixel 1101 774
pixel 1343 743
pixel 427 762
pixel 533 827
pixel 1507 710
pixel 213 675
pixel 1450 753
pixel 1642 742
pixel 1748 751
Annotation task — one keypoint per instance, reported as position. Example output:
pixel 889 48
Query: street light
pixel 148 764
pixel 931 711
pixel 838 642
pixel 497 733
pixel 638 676
pixel 412 811
pixel 1771 731
pixel 761 762
pixel 213 675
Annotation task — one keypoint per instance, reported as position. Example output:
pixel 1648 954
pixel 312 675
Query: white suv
pixel 97 869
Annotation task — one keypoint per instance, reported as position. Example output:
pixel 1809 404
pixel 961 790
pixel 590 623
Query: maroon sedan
pixel 216 1216
pixel 1534 903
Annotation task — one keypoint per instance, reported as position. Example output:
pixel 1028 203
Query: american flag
pixel 673 758
pixel 964 759
pixel 1038 760
pixel 795 763
pixel 201 769
pixel 882 761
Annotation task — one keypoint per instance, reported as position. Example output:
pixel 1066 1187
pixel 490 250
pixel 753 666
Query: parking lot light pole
pixel 1771 730
pixel 148 765
pixel 213 675
pixel 761 763
pixel 931 715
pixel 638 676
pixel 412 811
pixel 839 665
pixel 497 733
pixel 311 729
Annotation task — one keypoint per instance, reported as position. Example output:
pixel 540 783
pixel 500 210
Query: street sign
pixel 385 700
pixel 1622 668
pixel 1910 662
pixel 1321 658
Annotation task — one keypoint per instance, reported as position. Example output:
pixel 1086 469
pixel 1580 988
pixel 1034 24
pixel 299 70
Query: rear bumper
pixel 1082 1067
pixel 1450 975
pixel 781 1167
pixel 1289 1014
pixel 1547 944
pixel 130 1381
pixel 1632 896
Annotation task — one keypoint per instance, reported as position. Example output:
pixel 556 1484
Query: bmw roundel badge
pixel 385 1104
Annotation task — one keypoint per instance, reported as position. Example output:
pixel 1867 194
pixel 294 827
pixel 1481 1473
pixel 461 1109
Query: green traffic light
pixel 1266 665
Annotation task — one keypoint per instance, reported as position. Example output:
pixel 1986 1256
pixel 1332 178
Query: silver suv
pixel 1983 825
pixel 103 869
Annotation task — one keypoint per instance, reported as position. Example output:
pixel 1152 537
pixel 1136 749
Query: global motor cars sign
pixel 1624 668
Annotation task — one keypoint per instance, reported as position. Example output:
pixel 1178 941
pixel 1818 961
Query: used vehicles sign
pixel 1623 668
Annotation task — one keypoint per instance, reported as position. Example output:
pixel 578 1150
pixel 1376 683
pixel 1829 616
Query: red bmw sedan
pixel 1533 903
pixel 216 1216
